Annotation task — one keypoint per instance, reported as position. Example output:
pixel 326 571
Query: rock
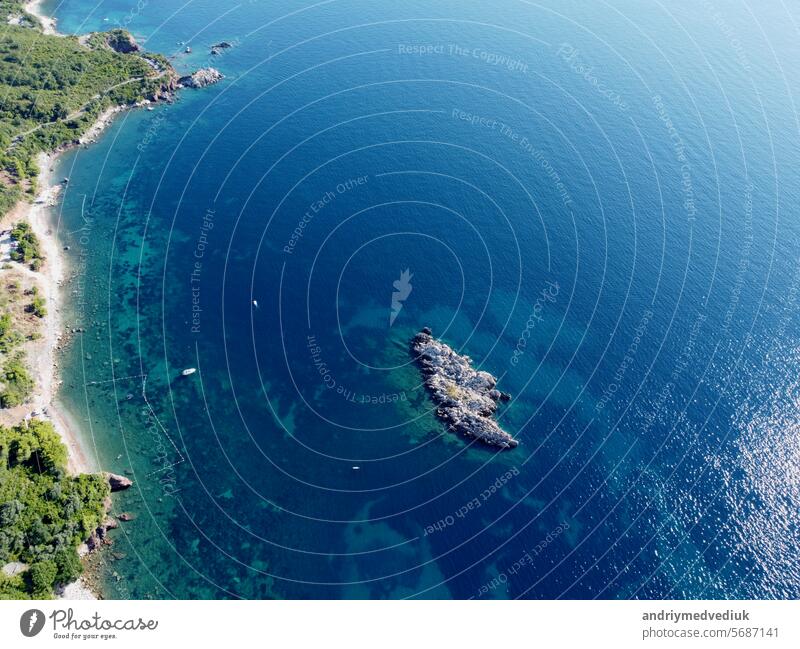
pixel 126 516
pixel 14 568
pixel 121 41
pixel 118 482
pixel 100 537
pixel 94 541
pixel 466 398
pixel 219 47
pixel 202 78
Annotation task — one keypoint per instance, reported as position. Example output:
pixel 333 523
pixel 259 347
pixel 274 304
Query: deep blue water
pixel 597 202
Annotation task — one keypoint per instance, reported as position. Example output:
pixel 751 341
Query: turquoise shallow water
pixel 596 203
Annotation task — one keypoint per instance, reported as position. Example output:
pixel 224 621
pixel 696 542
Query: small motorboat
pixel 189 371
pixel 255 303
pixel 356 468
pixel 188 50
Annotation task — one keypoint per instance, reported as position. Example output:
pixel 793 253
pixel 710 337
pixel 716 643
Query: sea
pixel 597 202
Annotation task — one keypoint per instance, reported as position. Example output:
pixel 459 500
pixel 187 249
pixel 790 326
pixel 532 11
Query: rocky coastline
pixel 466 399
pixel 99 538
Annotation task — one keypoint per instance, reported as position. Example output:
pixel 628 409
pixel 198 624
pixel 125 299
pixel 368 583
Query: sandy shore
pixel 48 22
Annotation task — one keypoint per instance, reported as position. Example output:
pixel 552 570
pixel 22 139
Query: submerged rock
pixel 202 78
pixel 466 398
pixel 217 49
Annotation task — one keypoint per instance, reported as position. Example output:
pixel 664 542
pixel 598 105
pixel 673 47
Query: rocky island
pixel 202 78
pixel 466 398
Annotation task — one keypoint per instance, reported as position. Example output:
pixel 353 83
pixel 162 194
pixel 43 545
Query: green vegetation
pixel 16 384
pixel 9 337
pixel 15 8
pixel 52 88
pixel 37 306
pixel 28 249
pixel 9 197
pixel 44 513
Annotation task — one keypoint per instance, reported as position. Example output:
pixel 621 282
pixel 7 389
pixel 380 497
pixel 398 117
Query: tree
pixel 68 565
pixel 37 307
pixel 52 454
pixel 44 512
pixel 42 575
pixel 18 383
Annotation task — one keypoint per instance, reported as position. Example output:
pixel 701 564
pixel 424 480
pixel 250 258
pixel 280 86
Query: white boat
pixel 255 303
pixel 188 50
pixel 188 371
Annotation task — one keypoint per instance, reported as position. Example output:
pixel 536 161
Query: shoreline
pixel 40 218
pixel 34 8
pixel 44 360
pixel 43 352
pixel 42 357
